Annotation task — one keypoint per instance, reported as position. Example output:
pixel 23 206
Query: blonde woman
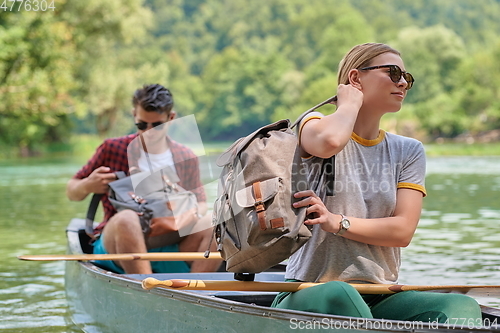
pixel 379 187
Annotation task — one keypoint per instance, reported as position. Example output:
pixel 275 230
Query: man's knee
pixel 196 242
pixel 201 236
pixel 123 233
pixel 124 219
pixel 123 226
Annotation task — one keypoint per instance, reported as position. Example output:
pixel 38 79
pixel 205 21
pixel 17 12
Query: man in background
pixel 121 232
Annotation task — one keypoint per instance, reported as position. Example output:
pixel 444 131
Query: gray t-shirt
pixel 367 176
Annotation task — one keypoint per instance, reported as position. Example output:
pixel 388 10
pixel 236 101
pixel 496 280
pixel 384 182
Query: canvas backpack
pixel 254 222
pixel 158 200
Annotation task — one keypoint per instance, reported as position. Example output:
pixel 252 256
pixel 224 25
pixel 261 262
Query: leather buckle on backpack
pixel 259 206
pixel 260 209
pixel 137 198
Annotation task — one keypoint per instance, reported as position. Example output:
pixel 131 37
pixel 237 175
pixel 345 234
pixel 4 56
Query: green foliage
pixel 239 64
pixel 475 21
pixel 243 87
pixel 87 57
pixel 35 79
pixel 112 61
pixel 478 86
pixel 433 55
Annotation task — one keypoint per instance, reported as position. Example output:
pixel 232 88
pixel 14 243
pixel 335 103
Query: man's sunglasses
pixel 395 74
pixel 142 125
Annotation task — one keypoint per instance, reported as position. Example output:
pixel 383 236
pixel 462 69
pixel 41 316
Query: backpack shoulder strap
pixel 89 220
pixel 328 168
pixel 331 100
pixel 94 204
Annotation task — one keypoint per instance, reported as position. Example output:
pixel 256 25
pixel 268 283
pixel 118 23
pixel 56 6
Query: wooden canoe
pixel 102 301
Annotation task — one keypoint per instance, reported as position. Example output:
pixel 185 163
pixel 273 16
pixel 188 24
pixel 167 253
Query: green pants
pixel 340 298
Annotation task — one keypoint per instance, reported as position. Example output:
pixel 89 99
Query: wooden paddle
pixel 150 283
pixel 153 256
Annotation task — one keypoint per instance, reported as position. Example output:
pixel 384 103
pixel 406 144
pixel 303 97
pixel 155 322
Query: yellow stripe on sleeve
pixel 413 187
pixel 302 123
pixel 305 120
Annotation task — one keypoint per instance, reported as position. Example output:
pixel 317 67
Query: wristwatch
pixel 344 225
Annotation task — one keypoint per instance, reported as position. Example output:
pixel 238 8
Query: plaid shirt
pixel 113 154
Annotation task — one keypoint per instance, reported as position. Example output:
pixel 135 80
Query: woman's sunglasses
pixel 395 74
pixel 142 125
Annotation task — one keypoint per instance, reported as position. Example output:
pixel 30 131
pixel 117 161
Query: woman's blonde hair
pixel 361 56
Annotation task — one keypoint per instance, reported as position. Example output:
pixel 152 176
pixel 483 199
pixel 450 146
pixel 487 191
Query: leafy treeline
pixel 239 64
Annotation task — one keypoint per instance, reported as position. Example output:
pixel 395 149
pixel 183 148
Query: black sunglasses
pixel 395 74
pixel 142 125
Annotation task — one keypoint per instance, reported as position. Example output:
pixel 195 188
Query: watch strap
pixel 342 229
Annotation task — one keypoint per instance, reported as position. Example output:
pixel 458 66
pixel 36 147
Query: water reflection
pixel 457 241
pixel 458 238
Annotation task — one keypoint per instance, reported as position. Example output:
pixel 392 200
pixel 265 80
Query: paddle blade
pixel 471 290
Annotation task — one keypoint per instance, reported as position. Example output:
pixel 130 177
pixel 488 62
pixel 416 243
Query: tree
pixel 478 89
pixel 115 57
pixel 35 79
pixel 83 57
pixel 433 55
pixel 242 91
pixel 237 64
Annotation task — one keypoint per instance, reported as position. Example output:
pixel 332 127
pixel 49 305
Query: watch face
pixel 346 224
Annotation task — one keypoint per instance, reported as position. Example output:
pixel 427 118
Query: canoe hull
pixel 120 305
pixel 101 301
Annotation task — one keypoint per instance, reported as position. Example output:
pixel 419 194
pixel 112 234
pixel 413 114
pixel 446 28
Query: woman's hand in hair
pixel 348 94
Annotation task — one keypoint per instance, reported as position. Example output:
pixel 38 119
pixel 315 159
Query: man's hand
pixel 96 182
pixel 99 179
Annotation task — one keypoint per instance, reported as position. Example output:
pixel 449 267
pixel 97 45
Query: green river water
pixel 457 241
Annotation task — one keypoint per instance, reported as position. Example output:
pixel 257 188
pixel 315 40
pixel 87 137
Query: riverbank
pixel 83 146
pixel 462 149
